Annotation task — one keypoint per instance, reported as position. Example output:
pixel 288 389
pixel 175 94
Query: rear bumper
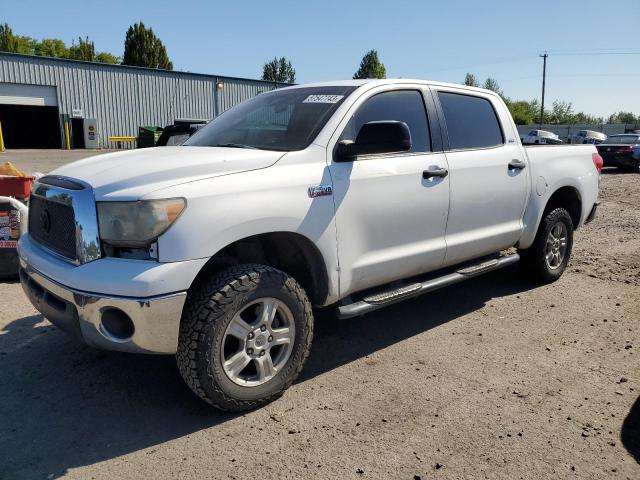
pixel 618 160
pixel 155 320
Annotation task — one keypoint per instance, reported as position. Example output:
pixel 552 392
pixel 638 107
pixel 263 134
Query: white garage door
pixel 35 95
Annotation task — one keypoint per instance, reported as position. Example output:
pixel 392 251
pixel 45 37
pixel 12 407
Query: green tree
pixel 106 57
pixel 143 49
pixel 623 117
pixel 470 80
pixel 524 113
pixel 492 84
pixel 51 47
pixel 581 117
pixel 562 112
pixel 279 70
pixel 84 50
pixel 9 42
pixel 371 67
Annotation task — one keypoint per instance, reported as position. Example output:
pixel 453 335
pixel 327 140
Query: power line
pixel 579 54
pixel 587 50
pixel 576 75
pixel 526 57
pixel 517 59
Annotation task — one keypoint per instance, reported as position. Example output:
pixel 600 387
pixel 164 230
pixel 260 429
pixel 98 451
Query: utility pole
pixel 544 77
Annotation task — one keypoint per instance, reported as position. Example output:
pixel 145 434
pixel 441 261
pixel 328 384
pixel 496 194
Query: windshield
pixel 624 139
pixel 283 120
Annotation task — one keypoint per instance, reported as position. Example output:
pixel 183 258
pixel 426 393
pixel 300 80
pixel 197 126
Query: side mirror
pixel 386 136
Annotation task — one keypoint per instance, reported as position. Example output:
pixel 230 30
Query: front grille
pixel 53 225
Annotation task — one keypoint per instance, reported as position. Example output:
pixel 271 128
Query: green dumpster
pixel 148 136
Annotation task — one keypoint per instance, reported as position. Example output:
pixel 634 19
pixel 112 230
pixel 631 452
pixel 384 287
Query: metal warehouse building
pixel 40 98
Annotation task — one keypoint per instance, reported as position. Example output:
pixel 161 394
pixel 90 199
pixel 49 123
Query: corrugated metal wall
pixel 124 98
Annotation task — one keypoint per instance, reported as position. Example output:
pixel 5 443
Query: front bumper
pixel 624 160
pixel 156 320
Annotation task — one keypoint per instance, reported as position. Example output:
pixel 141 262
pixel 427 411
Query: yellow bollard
pixel 66 136
pixel 1 139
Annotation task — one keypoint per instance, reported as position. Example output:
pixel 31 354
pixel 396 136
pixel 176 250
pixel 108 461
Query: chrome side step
pixel 394 294
pixel 389 297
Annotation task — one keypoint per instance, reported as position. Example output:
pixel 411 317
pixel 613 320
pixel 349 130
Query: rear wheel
pixel 244 337
pixel 549 255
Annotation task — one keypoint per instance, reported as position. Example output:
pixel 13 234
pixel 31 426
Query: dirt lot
pixel 495 378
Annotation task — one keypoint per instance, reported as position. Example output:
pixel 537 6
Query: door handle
pixel 516 163
pixel 435 172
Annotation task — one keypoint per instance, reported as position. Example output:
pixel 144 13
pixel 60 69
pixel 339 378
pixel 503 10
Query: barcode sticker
pixel 323 99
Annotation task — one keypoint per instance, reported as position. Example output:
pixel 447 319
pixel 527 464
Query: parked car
pixel 352 195
pixel 179 132
pixel 540 137
pixel 587 136
pixel 618 151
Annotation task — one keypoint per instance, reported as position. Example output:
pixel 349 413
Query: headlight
pixel 137 224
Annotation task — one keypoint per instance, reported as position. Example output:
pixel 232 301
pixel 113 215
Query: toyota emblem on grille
pixel 45 221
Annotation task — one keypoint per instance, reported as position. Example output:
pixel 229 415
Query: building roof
pixel 37 58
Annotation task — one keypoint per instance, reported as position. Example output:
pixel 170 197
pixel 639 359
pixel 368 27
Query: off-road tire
pixel 208 311
pixel 532 259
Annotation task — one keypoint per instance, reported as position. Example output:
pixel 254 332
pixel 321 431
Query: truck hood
pixel 131 174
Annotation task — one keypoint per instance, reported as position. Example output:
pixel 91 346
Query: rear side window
pixel 402 105
pixel 471 121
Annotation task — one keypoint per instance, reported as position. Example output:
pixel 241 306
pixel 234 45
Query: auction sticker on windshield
pixel 323 99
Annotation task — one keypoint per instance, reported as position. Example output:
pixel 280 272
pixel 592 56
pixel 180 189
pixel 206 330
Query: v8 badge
pixel 320 191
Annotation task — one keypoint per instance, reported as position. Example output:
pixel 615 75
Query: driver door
pixel 390 216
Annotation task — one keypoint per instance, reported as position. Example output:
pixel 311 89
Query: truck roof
pixel 386 81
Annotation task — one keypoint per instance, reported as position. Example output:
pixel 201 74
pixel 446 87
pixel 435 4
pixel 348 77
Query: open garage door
pixel 29 116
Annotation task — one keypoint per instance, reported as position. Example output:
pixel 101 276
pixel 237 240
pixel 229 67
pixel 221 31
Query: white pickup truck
pixel 540 137
pixel 353 194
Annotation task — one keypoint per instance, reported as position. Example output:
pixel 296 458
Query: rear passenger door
pixel 488 174
pixel 390 219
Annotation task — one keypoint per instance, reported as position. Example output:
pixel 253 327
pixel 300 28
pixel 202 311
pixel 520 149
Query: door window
pixel 471 121
pixel 401 105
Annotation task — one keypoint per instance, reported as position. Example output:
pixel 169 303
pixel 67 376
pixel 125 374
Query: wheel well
pixel 568 198
pixel 290 252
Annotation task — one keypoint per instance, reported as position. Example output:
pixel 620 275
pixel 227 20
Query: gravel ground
pixel 493 378
pixel 44 161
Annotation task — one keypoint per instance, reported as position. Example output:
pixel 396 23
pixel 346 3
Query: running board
pixel 389 297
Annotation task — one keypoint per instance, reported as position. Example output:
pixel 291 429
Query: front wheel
pixel 244 337
pixel 547 258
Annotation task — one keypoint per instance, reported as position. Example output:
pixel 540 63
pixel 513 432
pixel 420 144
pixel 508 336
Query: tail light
pixel 597 161
pixel 626 148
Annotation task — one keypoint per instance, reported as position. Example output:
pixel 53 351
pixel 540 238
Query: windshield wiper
pixel 235 145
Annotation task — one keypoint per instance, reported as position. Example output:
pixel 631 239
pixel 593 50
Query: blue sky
pixel 325 40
